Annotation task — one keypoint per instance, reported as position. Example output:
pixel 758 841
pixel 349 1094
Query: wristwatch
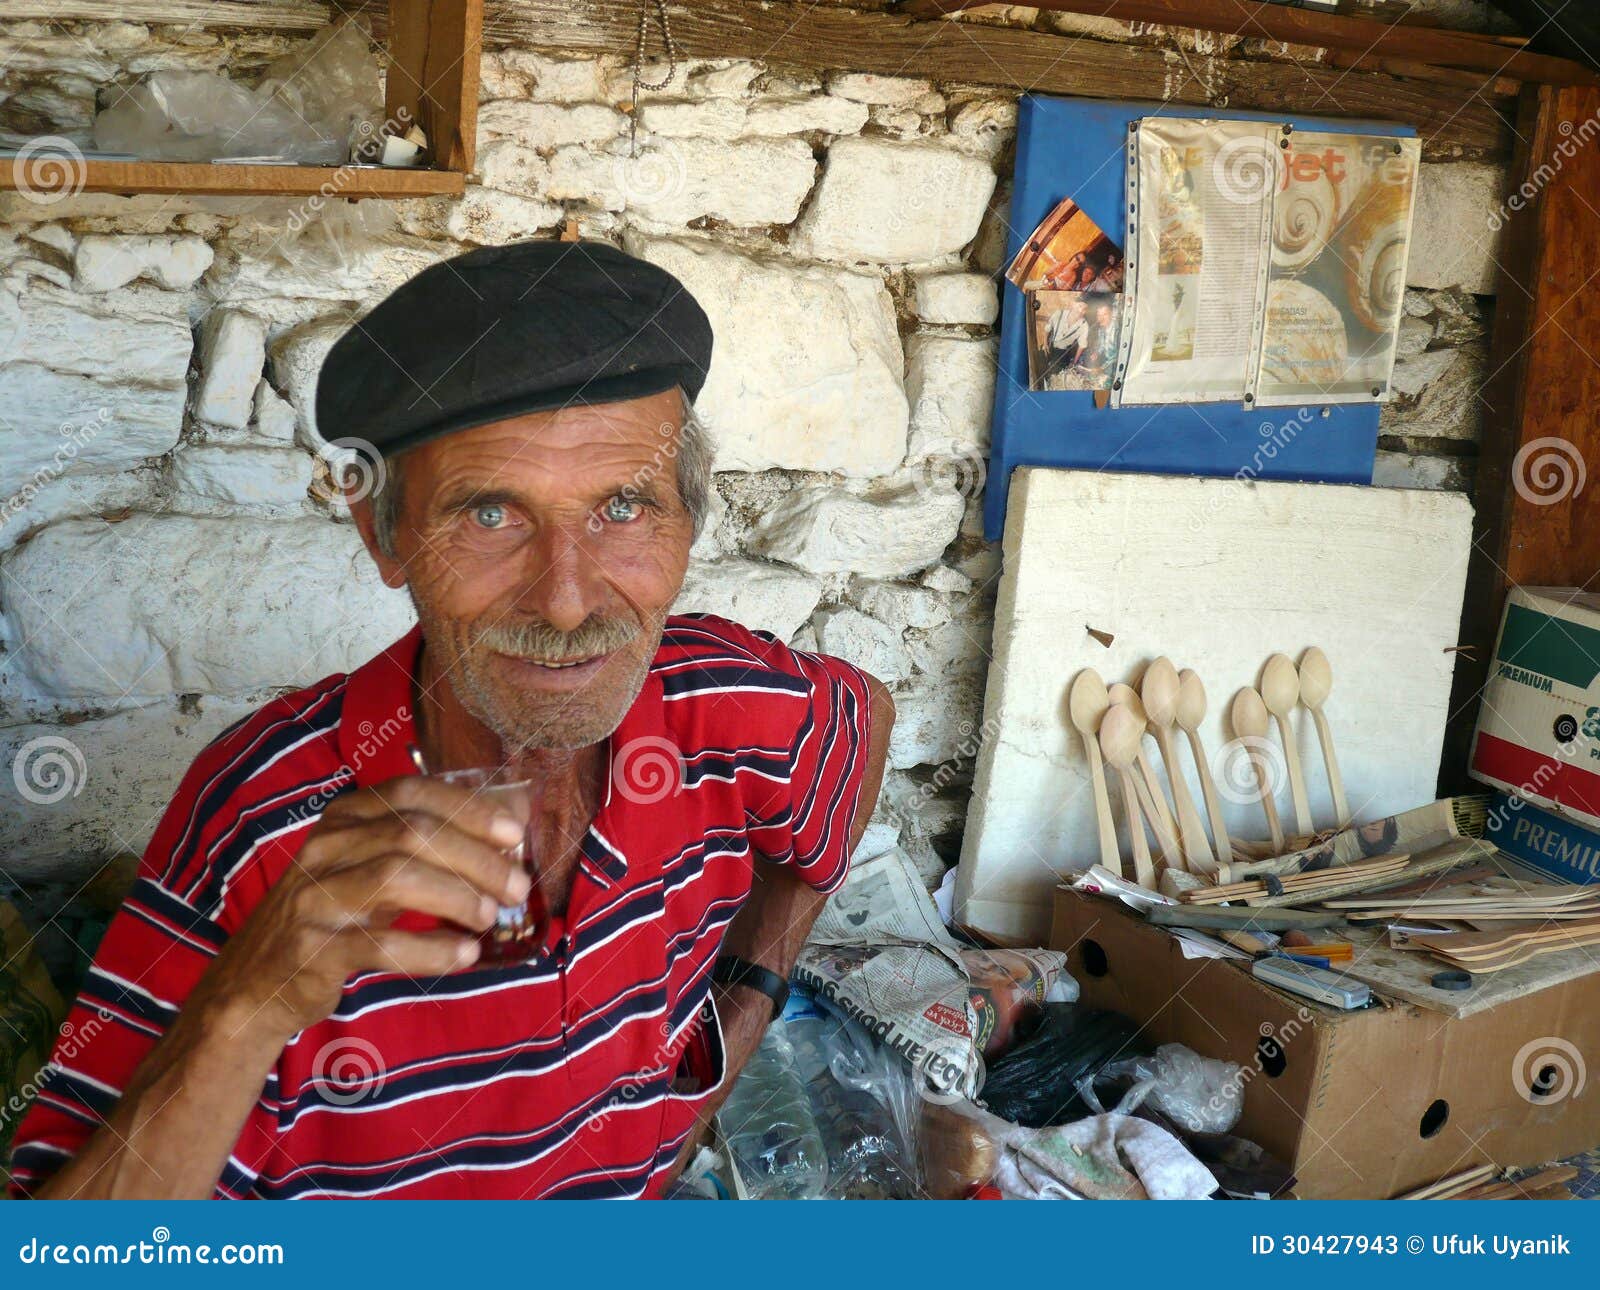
pixel 730 969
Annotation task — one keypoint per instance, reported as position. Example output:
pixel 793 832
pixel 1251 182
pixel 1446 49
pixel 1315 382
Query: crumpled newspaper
pixel 315 106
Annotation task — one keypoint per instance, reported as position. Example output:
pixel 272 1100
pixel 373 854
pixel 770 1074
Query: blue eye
pixel 491 515
pixel 622 510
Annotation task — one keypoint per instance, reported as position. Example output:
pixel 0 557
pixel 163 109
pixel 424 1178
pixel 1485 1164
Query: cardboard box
pixel 1563 849
pixel 1364 1104
pixel 1538 733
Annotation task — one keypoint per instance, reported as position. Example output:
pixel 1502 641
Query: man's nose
pixel 564 586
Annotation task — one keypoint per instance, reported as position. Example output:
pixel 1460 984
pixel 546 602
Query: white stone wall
pixel 170 554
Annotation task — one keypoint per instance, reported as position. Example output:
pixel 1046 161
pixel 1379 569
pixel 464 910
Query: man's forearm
pixel 172 1129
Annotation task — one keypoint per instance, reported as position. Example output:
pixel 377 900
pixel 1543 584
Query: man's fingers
pixel 496 821
pixel 413 953
pixel 369 892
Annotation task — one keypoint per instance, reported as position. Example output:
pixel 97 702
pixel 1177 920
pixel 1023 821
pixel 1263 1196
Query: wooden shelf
pixel 432 81
pixel 60 174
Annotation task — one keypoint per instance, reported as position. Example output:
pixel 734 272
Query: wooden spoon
pixel 1086 705
pixel 1159 690
pixel 1191 712
pixel 1280 691
pixel 1316 683
pixel 1155 797
pixel 1120 734
pixel 1250 725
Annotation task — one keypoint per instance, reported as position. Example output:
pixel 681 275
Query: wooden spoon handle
pixel 1144 871
pixel 1341 804
pixel 1110 853
pixel 1297 780
pixel 1192 833
pixel 1208 790
pixel 1268 806
pixel 1149 792
pixel 1161 821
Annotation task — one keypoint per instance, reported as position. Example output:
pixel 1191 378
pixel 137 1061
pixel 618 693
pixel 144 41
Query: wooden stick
pixel 1451 1184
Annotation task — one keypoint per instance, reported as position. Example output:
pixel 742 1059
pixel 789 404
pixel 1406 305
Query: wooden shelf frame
pixel 434 48
pixel 1360 42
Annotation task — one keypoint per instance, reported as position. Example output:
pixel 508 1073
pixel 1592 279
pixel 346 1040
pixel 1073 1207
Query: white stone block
pixel 830 530
pixel 826 113
pixel 869 644
pixel 957 298
pixel 950 385
pixel 746 182
pixel 233 350
pixel 935 721
pixel 207 605
pixel 105 261
pixel 1454 241
pixel 984 126
pixel 703 118
pixel 96 789
pixel 296 359
pixel 274 478
pixel 489 217
pixel 546 125
pixel 760 596
pixel 902 605
pixel 868 87
pixel 586 175
pixel 894 202
pixel 513 167
pixel 806 373
pixel 273 417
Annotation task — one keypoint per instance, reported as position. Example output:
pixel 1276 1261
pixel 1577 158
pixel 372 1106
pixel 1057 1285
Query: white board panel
pixel 1217 574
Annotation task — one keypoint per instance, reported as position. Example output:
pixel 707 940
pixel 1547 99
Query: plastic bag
pixel 1199 1094
pixel 1036 1083
pixel 312 107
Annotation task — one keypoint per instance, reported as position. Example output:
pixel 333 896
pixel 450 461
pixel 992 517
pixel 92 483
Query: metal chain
pixel 639 83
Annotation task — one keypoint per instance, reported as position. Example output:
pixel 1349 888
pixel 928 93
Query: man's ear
pixel 356 486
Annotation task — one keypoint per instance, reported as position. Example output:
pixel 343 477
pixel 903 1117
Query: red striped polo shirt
pixel 564 1076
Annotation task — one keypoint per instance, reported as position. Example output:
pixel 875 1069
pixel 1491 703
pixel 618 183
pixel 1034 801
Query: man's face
pixel 542 554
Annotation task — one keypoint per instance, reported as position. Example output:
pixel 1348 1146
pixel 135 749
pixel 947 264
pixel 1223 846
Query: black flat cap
pixel 506 330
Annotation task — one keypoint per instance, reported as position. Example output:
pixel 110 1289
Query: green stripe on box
pixel 1559 648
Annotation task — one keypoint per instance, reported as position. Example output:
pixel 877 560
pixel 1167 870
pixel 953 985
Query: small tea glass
pixel 519 931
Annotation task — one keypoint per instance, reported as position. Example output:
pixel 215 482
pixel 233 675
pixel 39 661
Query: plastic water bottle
pixel 768 1126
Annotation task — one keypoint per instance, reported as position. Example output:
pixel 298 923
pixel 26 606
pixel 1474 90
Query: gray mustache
pixel 540 640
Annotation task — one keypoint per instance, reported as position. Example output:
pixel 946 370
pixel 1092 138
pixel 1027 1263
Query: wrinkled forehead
pixel 549 453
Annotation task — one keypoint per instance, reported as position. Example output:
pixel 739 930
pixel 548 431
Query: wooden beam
pixel 1541 438
pixel 829 38
pixel 434 49
pixel 268 15
pixel 1366 38
pixel 52 177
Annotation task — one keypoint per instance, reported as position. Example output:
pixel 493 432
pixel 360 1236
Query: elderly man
pixel 293 1002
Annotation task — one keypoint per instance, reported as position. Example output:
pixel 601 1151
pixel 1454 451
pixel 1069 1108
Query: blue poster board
pixel 1077 148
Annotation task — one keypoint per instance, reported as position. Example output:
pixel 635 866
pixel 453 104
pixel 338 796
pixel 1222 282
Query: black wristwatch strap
pixel 730 969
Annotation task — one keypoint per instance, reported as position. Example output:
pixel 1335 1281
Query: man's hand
pixel 410 843
pixel 407 844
